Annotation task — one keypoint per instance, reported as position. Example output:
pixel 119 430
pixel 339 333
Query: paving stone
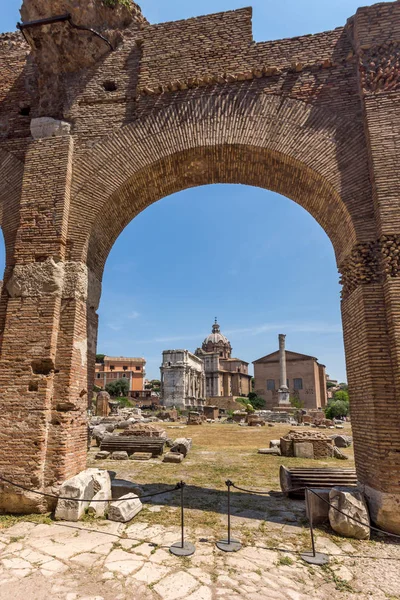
pixel 150 573
pixel 123 562
pixel 177 585
pixel 203 593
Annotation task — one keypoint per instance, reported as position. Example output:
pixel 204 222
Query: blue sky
pixel 252 258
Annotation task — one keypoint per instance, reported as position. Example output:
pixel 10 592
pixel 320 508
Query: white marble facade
pixel 182 379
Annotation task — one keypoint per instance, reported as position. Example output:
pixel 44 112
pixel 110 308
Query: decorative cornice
pixel 380 68
pixel 222 79
pixel 371 262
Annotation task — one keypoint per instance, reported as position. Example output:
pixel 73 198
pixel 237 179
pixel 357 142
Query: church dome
pixel 216 341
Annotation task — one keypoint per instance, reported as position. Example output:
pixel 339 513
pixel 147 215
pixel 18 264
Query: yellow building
pixel 113 368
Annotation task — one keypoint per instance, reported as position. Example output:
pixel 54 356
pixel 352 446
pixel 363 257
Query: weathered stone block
pixel 122 455
pixel 317 508
pixel 303 449
pixel 45 127
pixel 96 508
pixel 83 486
pixel 124 509
pixel 275 451
pixel 102 455
pixel 337 453
pixel 353 520
pixel 141 456
pixel 173 457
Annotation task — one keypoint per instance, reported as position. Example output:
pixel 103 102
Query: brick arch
pixel 282 144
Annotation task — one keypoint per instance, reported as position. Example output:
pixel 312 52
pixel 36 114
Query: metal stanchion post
pixel 313 557
pixel 229 545
pixel 182 548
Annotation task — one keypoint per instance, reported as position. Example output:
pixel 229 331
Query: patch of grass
pixel 16 538
pixel 86 518
pixel 285 561
pixel 341 584
pixel 7 521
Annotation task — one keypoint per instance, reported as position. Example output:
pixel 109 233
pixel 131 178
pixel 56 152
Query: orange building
pixel 113 368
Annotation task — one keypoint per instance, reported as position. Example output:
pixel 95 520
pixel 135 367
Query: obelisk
pixel 283 392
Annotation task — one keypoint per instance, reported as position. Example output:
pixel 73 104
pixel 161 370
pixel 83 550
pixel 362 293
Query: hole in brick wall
pixel 33 386
pixel 110 86
pixel 83 393
pixel 43 366
pixel 25 111
pixel 40 258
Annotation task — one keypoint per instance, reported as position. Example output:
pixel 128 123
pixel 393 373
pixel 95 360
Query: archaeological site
pixel 103 113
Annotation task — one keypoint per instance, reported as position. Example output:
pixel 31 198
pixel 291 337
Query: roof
pixel 274 357
pixel 124 359
pixel 233 360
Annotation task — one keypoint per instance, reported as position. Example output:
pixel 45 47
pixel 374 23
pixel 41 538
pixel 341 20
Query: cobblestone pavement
pixel 111 561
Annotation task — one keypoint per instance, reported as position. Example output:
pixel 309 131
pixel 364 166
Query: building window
pixel 298 384
pixel 125 368
pixel 271 385
pixel 112 367
pixel 98 375
pixel 123 375
pixel 137 368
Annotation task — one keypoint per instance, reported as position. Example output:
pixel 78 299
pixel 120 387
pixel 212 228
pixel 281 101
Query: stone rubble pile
pixel 307 444
pixel 99 492
pixel 144 430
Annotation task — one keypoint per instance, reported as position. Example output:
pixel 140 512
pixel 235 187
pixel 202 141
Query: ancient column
pixel 283 392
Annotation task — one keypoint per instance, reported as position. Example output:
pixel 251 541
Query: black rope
pixel 249 491
pixel 302 489
pixel 352 518
pixel 131 497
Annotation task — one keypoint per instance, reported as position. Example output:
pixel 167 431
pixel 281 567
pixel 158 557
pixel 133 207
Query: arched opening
pixel 215 244
pixel 240 252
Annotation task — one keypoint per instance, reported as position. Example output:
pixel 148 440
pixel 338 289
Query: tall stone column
pixel 283 392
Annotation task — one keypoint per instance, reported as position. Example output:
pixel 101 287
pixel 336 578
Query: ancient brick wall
pixel 177 105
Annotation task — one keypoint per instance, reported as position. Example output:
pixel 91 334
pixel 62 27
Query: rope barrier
pixel 354 519
pixel 304 489
pixel 250 491
pixel 131 497
pixel 181 484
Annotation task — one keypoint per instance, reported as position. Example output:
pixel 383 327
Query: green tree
pixel 337 408
pixel 120 387
pixel 256 402
pixel 296 402
pixel 341 395
pixel 100 358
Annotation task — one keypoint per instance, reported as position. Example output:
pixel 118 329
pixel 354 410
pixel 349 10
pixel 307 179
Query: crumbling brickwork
pixel 176 105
